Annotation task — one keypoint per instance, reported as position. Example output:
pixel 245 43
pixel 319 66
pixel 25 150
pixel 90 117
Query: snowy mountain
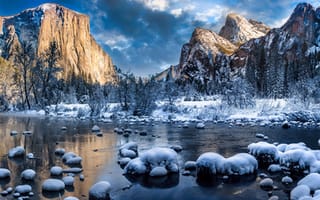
pixel 81 56
pixel 239 30
pixel 271 62
pixel 199 55
pixel 168 74
pixel 285 55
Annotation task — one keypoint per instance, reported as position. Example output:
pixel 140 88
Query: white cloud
pixel 114 40
pixel 176 12
pixel 215 13
pixel 155 5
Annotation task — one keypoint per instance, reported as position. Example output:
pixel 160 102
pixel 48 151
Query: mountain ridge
pixel 270 63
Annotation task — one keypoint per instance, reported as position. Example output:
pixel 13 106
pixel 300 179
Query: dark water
pixel 100 156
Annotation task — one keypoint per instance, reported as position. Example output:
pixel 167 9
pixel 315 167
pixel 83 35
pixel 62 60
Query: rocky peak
pixel 302 21
pixel 211 41
pixel 80 54
pixel 197 56
pixel 239 30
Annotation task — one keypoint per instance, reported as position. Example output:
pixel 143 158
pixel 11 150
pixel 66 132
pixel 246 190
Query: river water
pixel 100 155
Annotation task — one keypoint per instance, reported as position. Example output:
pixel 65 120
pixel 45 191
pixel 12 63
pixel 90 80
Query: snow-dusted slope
pixel 169 73
pixel 271 62
pixel 199 55
pixel 239 30
pixel 80 54
pixel 284 56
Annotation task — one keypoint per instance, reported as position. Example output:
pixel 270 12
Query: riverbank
pixel 263 112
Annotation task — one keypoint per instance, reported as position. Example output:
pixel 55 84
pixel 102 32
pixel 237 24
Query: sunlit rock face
pixel 80 54
pixel 239 30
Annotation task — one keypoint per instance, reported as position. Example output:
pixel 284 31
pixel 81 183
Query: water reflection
pixel 100 155
pixel 46 137
pixel 168 181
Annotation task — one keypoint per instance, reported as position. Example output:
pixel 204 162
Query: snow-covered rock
pixel 100 191
pixel 190 165
pixel 260 135
pixel 68 180
pixel 299 191
pixel 150 159
pixel 274 168
pixel 81 177
pixel 312 181
pixel 274 197
pixel 294 146
pixel 266 183
pixel 200 125
pixel 30 156
pixel 212 163
pixel 285 125
pixel 124 161
pixel 185 125
pixel 53 185
pixel 27 132
pixel 71 198
pixel 4 173
pixel 265 153
pixel 282 147
pixel 159 156
pixel 74 161
pixel 60 151
pixel 71 158
pixel 95 128
pixel 56 171
pixel 28 174
pixel 158 171
pixel 13 132
pixel 127 153
pixel 176 147
pixel 118 130
pixel 129 150
pixel 135 166
pixel 16 152
pixel 297 158
pixel 287 180
pixel 23 189
pixel 74 170
pixel 240 164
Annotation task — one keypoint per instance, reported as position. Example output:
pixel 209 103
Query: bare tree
pixel 45 74
pixel 24 59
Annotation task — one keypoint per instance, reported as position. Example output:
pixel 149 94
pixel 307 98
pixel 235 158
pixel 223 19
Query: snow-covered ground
pixel 264 111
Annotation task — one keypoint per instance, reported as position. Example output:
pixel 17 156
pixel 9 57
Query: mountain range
pixel 81 56
pixel 269 59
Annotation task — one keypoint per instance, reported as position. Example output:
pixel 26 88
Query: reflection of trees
pixel 46 137
pixel 168 181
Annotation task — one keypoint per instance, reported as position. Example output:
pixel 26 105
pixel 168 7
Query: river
pixel 100 155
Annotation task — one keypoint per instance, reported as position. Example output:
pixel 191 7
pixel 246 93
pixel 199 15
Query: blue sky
pixel 145 36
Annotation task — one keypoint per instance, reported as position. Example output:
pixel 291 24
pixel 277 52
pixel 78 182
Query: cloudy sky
pixel 145 36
